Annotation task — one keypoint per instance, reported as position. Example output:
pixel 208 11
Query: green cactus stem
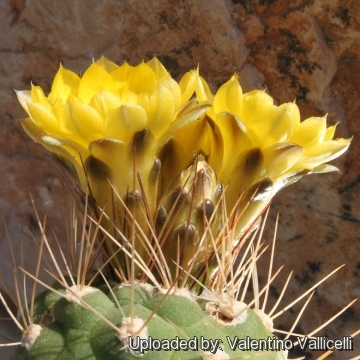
pixel 163 326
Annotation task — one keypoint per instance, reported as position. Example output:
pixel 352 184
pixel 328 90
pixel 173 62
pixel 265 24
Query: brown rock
pixel 308 51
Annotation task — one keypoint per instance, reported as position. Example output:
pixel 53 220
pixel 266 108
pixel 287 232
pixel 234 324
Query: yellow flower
pixel 255 147
pixel 112 121
pixel 103 114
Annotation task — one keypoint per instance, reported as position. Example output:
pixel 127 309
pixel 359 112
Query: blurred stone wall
pixel 307 51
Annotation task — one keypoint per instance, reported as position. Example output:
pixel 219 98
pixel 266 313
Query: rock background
pixel 303 50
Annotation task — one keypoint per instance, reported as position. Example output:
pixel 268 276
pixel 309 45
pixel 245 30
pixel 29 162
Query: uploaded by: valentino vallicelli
pixel 319 343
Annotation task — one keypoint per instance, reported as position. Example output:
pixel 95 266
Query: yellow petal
pixel 141 79
pixel 254 103
pixel 65 83
pixel 58 107
pixel 290 177
pixel 124 121
pixel 72 159
pixel 309 131
pixel 194 138
pixel 192 82
pixel 324 168
pixel 160 108
pixel 72 147
pixel 253 202
pixel 247 169
pixel 67 125
pixel 166 80
pixel 229 98
pixel 203 92
pixel 121 74
pixel 231 134
pixel 160 72
pixel 38 96
pixel 24 97
pixel 82 122
pixel 140 153
pixel 269 124
pixel 106 64
pixel 280 158
pixel 173 161
pixel 188 114
pixel 326 151
pixel 104 102
pixel 44 118
pixel 174 88
pixel 31 128
pixel 110 151
pixel 99 174
pixel 186 144
pixel 95 79
pixel 330 132
pixel 109 162
pixel 187 85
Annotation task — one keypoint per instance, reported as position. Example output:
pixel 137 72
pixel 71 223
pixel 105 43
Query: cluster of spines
pixel 215 280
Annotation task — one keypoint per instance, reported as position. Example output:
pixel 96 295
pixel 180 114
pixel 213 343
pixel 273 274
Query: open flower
pixel 107 105
pixel 255 147
pixel 109 126
pixel 108 123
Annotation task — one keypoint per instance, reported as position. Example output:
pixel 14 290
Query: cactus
pixel 176 182
pixel 79 318
pixel 181 324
